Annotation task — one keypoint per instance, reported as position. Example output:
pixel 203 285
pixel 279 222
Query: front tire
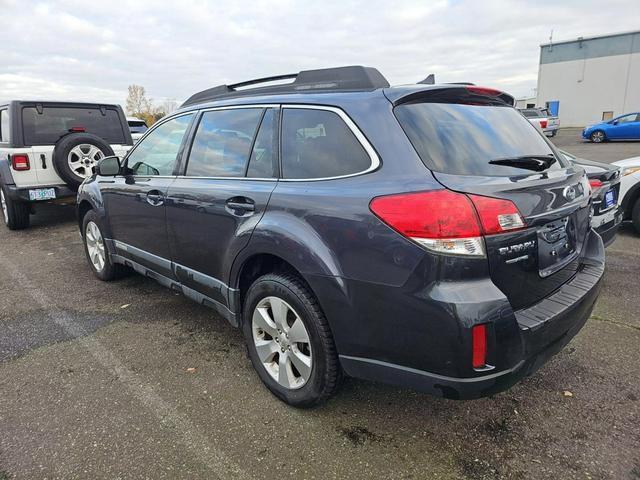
pixel 635 215
pixel 96 251
pixel 15 214
pixel 598 136
pixel 289 340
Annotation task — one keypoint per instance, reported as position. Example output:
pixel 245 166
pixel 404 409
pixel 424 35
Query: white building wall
pixel 586 88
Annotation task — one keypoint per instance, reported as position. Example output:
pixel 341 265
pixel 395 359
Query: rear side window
pixel 462 139
pixel 47 127
pixel 4 126
pixel 223 142
pixel 319 144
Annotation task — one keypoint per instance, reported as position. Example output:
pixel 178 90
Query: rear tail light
pixel 595 184
pixel 447 222
pixel 20 162
pixel 543 123
pixel 479 346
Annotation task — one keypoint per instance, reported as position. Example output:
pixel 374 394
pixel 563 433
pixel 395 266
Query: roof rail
pixel 339 79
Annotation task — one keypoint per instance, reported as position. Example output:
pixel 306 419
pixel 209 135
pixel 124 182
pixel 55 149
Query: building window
pixel 607 116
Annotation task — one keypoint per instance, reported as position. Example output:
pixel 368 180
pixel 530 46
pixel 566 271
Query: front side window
pixel 319 144
pixel 156 154
pixel 627 119
pixel 4 126
pixel 46 126
pixel 223 142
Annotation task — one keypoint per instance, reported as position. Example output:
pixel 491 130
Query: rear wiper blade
pixel 536 163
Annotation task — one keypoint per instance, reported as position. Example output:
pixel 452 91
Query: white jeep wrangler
pixel 47 149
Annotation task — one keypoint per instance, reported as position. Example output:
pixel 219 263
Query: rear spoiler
pixel 453 93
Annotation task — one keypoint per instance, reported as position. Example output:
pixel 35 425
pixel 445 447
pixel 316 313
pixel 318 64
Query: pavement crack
pixel 614 322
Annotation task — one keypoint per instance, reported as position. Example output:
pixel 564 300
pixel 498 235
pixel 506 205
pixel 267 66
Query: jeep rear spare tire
pixel 76 155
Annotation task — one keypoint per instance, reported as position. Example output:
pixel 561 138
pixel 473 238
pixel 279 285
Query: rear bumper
pixel 21 194
pixel 609 229
pixel 542 330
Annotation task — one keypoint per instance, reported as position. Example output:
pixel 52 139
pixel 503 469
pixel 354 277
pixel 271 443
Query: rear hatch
pixel 475 142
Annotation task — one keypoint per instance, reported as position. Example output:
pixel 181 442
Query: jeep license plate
pixel 609 198
pixel 42 194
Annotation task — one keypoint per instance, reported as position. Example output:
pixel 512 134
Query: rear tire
pixel 306 350
pixel 598 136
pixel 635 215
pixel 14 213
pixel 96 250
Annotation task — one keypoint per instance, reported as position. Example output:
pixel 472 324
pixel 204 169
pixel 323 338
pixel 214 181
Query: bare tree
pixel 137 102
pixel 168 106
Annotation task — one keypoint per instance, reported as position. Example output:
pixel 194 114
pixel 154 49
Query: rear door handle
pixel 240 205
pixel 155 198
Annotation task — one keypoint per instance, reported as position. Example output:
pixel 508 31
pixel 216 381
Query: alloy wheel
pixel 95 246
pixel 83 158
pixel 282 342
pixel 597 137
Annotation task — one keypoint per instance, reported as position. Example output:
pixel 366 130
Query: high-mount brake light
pixel 20 162
pixel 77 129
pixel 487 92
pixel 447 222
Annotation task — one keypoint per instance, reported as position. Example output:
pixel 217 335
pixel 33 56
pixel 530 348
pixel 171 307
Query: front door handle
pixel 155 198
pixel 240 205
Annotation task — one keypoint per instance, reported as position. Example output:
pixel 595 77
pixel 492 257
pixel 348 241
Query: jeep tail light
pixel 20 162
pixel 479 345
pixel 447 222
pixel 543 124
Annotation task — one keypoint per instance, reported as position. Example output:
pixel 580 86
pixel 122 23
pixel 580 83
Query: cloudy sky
pixel 84 50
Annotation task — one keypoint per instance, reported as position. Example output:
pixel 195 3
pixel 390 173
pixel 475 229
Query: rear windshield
pixel 462 139
pixel 137 126
pixel 530 113
pixel 47 127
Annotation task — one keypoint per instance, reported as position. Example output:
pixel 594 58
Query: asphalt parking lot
pixel 129 380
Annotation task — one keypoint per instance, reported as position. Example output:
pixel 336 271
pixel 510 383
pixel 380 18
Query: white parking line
pixel 196 442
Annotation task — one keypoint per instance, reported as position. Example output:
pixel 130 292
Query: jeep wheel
pixel 76 155
pixel 289 341
pixel 598 136
pixel 15 214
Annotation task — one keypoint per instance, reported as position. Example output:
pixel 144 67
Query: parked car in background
pixel 137 127
pixel 624 127
pixel 630 190
pixel 604 180
pixel 549 124
pixel 48 148
pixel 422 235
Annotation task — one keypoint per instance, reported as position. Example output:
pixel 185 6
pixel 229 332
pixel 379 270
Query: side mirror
pixel 108 167
pixel 615 122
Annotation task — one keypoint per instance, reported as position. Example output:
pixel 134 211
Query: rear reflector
pixel 20 162
pixel 479 346
pixel 446 221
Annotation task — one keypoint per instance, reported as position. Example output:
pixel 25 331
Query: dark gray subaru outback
pixel 425 235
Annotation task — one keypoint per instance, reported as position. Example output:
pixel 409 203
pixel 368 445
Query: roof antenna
pixel 551 40
pixel 430 80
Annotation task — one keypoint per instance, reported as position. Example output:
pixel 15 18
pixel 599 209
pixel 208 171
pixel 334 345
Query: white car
pixel 47 149
pixel 137 127
pixel 630 190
